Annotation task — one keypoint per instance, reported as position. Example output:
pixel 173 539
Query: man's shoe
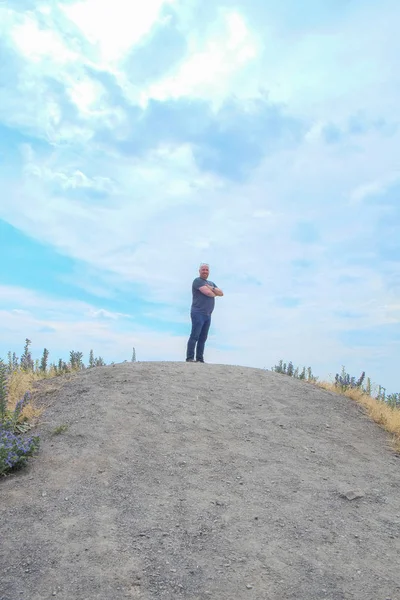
pixel 190 360
pixel 200 360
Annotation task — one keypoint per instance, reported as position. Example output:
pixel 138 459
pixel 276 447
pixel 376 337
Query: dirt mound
pixel 179 480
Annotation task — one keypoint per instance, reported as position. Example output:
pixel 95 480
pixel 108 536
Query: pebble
pixel 249 587
pixel 352 494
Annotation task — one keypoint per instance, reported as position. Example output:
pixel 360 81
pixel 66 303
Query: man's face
pixel 204 271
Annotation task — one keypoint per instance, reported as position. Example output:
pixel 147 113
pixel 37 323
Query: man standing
pixel 204 293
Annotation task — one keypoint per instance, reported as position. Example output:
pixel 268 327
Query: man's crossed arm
pixel 209 290
pixel 217 291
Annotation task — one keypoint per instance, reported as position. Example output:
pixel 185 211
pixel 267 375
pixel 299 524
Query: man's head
pixel 204 270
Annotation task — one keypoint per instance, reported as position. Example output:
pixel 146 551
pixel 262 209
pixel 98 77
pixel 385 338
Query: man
pixel 204 293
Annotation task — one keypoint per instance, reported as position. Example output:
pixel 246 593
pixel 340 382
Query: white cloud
pixel 208 70
pixel 114 27
pixel 25 298
pixel 72 179
pixel 374 188
pixel 86 95
pixel 106 314
pixel 38 44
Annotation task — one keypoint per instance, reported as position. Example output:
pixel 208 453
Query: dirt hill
pixel 194 481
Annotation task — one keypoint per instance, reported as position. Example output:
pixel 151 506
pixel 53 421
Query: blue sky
pixel 140 139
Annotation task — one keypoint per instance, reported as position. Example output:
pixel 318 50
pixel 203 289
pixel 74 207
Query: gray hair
pixel 204 265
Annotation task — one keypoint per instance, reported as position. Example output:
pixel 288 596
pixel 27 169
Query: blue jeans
pixel 200 326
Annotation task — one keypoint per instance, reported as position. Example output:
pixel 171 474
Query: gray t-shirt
pixel 202 303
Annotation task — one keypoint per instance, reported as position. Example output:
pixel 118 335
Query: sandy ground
pixel 194 481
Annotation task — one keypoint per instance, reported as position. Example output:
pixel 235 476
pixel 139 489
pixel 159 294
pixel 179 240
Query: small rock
pixel 352 494
pixel 249 587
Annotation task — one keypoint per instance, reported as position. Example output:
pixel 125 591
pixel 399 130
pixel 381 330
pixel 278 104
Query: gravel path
pixel 192 481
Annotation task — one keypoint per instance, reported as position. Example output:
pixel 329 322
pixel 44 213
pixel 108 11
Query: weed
pixel 288 369
pixel 60 429
pixel 14 448
pixel 43 362
pixel 345 382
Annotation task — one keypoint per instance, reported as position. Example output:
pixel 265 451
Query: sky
pixel 138 140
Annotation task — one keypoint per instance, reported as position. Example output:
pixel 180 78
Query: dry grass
pixel 19 383
pixel 379 411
